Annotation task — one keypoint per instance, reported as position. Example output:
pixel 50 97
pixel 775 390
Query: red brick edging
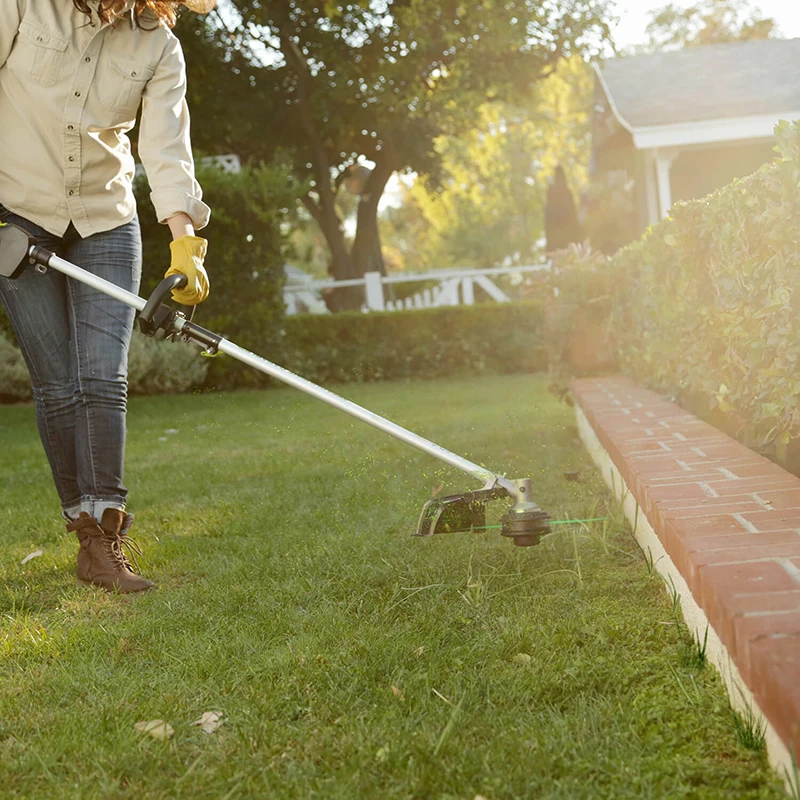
pixel 730 521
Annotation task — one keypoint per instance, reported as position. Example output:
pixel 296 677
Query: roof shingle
pixel 711 82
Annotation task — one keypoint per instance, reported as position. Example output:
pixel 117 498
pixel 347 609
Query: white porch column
pixel 664 160
pixel 651 187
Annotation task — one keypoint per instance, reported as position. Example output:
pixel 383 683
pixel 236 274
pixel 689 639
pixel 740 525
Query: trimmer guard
pixel 524 524
pixel 14 245
pixel 457 512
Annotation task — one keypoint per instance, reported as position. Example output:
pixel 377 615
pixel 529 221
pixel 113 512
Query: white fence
pixel 453 287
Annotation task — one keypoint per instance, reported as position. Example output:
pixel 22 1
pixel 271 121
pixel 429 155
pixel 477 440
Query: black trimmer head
pixel 526 528
pixel 525 523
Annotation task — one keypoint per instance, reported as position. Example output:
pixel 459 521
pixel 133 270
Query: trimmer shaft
pixel 525 522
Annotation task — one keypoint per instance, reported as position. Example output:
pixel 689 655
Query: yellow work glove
pixel 188 253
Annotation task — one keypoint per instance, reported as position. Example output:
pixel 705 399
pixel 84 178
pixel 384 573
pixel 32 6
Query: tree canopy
pixel 489 207
pixel 328 86
pixel 707 22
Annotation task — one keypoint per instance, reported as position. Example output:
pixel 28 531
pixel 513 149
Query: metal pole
pixel 102 285
pixel 281 374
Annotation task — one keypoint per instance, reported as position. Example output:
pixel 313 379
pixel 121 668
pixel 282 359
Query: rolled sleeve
pixel 165 144
pixel 11 12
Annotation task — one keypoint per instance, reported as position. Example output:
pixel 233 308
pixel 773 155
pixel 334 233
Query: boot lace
pixel 117 545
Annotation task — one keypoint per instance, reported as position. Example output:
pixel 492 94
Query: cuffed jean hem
pixel 93 506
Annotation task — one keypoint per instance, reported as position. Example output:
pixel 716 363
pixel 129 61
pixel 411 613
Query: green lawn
pixel 350 659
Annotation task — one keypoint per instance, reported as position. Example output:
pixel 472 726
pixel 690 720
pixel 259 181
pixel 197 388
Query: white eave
pixel 685 134
pixel 709 132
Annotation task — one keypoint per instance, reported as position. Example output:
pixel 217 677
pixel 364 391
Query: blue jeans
pixel 75 343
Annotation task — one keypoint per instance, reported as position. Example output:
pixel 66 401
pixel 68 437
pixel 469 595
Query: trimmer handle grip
pixel 155 315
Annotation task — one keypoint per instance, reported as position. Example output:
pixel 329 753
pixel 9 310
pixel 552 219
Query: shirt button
pixel 77 94
pixel 70 127
pixel 72 158
pixel 70 193
pixel 87 59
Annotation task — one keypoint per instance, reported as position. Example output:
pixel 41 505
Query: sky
pixel 634 17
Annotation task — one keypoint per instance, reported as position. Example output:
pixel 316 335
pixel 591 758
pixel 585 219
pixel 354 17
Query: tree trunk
pixel 366 254
pixel 323 211
pixel 341 268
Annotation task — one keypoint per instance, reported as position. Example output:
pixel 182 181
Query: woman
pixel 73 75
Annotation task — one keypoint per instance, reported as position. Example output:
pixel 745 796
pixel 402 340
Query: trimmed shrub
pixel 15 384
pixel 424 343
pixel 245 265
pixel 159 367
pixel 154 367
pixel 245 258
pixel 342 348
pixel 707 304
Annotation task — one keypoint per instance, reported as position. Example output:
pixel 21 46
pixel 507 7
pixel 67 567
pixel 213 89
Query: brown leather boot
pixel 101 560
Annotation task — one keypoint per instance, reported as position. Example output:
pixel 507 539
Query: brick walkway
pixel 729 520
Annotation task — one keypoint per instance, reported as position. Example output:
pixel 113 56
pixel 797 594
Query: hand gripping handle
pixel 154 315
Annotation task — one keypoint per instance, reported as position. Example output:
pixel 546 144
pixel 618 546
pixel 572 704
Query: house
pixel 681 124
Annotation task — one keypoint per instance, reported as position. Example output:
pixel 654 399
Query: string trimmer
pixel 524 523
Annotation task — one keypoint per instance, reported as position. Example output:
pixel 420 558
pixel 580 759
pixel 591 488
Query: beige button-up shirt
pixel 69 93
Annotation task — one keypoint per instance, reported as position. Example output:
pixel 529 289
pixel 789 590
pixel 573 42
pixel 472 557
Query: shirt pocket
pixel 39 53
pixel 120 87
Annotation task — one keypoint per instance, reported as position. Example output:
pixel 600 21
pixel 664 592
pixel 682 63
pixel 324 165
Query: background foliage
pixel 246 253
pixel 674 25
pixel 340 348
pixel 487 206
pixel 246 268
pixel 370 84
pixel 706 304
pixel 426 343
pixel 154 367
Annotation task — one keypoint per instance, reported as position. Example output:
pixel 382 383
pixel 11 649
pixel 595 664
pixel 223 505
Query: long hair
pixel 155 10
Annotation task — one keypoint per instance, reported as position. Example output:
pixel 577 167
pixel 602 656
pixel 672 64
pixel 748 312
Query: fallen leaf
pixel 211 721
pixel 31 556
pixel 437 489
pixel 522 658
pixel 157 728
pixel 397 693
pixel 382 754
pixel 420 650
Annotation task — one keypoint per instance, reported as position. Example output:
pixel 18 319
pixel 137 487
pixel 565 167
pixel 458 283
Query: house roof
pixel 700 84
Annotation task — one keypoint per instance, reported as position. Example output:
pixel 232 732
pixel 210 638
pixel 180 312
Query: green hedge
pixel 154 367
pixel 424 343
pixel 341 348
pixel 708 305
pixel 245 257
